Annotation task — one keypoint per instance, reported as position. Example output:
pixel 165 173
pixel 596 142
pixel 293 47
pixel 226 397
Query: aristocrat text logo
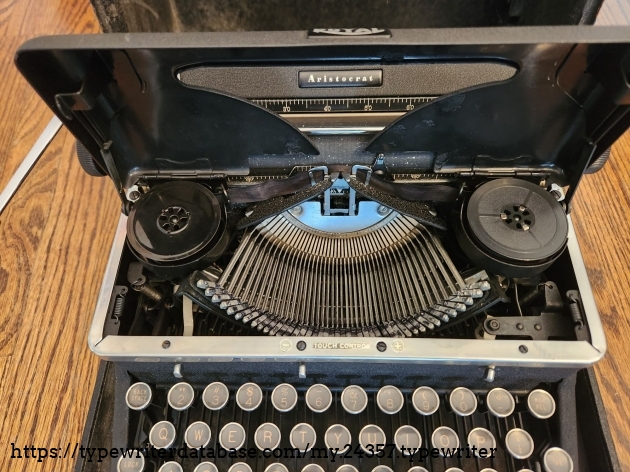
pixel 340 78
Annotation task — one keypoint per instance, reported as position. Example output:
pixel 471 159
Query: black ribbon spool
pixel 177 227
pixel 513 228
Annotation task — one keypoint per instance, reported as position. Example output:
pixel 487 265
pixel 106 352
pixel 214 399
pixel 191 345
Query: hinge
pixel 94 83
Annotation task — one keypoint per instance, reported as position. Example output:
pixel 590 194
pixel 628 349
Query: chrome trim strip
pixel 95 335
pixel 51 130
pixel 565 354
pixel 598 336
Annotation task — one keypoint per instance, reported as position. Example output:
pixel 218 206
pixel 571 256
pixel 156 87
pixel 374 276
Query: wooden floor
pixel 57 231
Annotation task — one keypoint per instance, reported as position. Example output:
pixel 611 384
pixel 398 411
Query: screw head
pixel 382 210
pixel 520 326
pixel 296 210
pixel 523 349
pixel 537 327
pixel 134 195
pixel 301 345
pixel 381 346
pixel 493 325
pixel 166 344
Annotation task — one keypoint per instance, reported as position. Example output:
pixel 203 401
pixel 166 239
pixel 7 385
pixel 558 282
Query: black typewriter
pixel 344 251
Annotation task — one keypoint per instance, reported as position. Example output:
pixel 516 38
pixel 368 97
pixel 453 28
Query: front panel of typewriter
pixel 359 248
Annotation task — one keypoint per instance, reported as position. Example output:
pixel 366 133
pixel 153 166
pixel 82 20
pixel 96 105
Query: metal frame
pixel 566 354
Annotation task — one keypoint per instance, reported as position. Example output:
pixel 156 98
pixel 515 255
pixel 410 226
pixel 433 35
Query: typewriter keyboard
pixel 253 428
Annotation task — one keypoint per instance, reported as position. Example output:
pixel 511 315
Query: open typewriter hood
pixel 562 102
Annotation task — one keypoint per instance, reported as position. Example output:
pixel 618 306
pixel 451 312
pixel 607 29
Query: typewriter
pixel 344 250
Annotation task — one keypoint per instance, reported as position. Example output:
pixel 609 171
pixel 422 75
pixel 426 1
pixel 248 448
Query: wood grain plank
pixel 604 237
pixel 54 315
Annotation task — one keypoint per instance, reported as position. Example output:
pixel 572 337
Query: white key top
pixel 181 396
pixel 369 437
pixel 481 438
pixel 277 467
pixel 519 443
pixel 284 397
pixel 444 438
pixel 354 399
pixel 138 396
pixel 390 400
pixel 500 402
pixel 463 401
pixel 240 467
pixel 232 436
pixel 206 467
pixel 425 400
pixel 347 468
pixel 197 435
pixel 303 437
pixel 318 398
pixel 135 463
pixel 541 404
pixel 338 437
pixel 312 468
pixel 215 396
pixel 557 460
pixel 267 436
pixel 407 439
pixel 171 466
pixel 162 435
pixel 249 396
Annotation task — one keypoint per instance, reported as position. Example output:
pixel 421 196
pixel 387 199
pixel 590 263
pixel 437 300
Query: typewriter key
pixel 249 396
pixel 519 443
pixel 162 435
pixel 338 437
pixel 481 438
pixel 138 396
pixel 487 469
pixel 390 400
pixel 197 435
pixel 312 468
pixel 171 466
pixel 181 396
pixel 369 437
pixel 240 467
pixel 417 468
pixel 425 400
pixel 382 468
pixel 444 438
pixel 463 401
pixel 284 397
pixel 303 437
pixel 526 470
pixel 131 464
pixel 500 402
pixel 409 438
pixel 347 468
pixel 454 469
pixel 232 436
pixel 267 436
pixel 557 460
pixel 354 399
pixel 215 396
pixel 541 404
pixel 277 467
pixel 318 398
pixel 206 467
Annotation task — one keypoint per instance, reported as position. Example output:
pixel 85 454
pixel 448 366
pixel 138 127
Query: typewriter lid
pixel 566 103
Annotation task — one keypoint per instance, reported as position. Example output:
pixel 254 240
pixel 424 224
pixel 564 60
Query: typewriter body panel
pixel 387 210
